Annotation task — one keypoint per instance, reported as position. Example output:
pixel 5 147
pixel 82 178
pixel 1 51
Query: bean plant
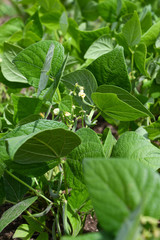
pixel 66 67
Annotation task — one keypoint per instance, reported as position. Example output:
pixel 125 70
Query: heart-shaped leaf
pixel 30 61
pixel 43 146
pixel 117 103
pixel 101 46
pixel 85 79
pixel 111 69
pixel 9 69
pixel 26 129
pixel 134 146
pixel 126 97
pixel 117 186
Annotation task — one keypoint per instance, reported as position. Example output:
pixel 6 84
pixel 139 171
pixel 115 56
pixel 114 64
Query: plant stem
pixel 48 111
pixel 95 118
pixel 90 105
pixel 54 230
pixel 132 61
pixel 32 189
pixel 57 224
pixel 36 220
pixel 132 68
pixel 65 179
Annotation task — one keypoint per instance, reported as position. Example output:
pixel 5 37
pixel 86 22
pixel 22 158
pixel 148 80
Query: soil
pixel 91 224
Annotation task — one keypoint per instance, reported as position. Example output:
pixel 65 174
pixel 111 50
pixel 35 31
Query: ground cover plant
pixel 64 65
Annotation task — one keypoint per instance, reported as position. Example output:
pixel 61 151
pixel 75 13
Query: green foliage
pixel 31 60
pixel 133 146
pixel 15 211
pixel 110 69
pixel 117 186
pixel 132 31
pixel 8 68
pixel 79 118
pixel 101 46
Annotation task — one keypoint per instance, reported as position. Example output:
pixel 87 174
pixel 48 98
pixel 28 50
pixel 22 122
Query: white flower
pixel 0 60
pixel 81 94
pixel 56 111
pixel 71 92
pixel 67 114
pixel 73 106
pixel 76 84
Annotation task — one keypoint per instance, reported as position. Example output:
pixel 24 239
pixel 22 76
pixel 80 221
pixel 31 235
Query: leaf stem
pixel 32 189
pixel 95 118
pixel 90 105
pixel 48 111
pixel 65 178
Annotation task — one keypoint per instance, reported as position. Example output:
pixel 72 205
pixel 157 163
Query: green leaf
pixel 140 58
pixel 36 26
pixel 75 173
pixel 110 105
pixel 125 97
pixel 44 146
pixel 86 38
pixel 111 69
pixel 14 190
pixel 9 28
pixel 52 89
pixel 109 143
pixel 23 232
pixel 132 31
pixel 66 104
pixel 89 9
pixel 2 167
pixel 30 118
pixel 131 227
pixel 85 79
pixel 153 130
pixel 63 22
pixel 146 18
pixel 32 106
pixel 90 147
pixel 43 236
pixel 51 19
pixel 30 61
pixel 151 35
pixel 75 220
pixel 12 213
pixel 9 69
pixel 26 129
pixel 89 236
pixel 50 5
pixel 79 200
pixel 2 191
pixel 122 42
pixel 101 46
pixel 107 10
pixel 33 169
pixel 134 146
pixel 117 186
pixel 34 224
pixel 44 77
